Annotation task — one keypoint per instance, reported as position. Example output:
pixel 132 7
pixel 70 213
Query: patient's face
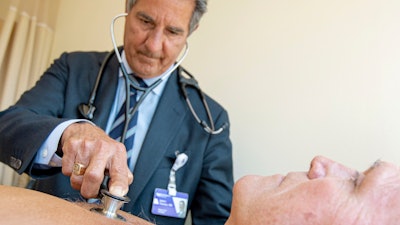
pixel 328 194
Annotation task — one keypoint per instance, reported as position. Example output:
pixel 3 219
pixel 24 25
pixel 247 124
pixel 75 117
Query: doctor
pixel 45 135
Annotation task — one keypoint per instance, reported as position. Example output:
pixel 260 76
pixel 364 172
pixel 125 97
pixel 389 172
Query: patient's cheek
pixel 250 188
pixel 309 203
pixel 282 209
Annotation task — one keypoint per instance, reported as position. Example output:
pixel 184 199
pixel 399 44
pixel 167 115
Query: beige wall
pixel 298 77
pixel 85 25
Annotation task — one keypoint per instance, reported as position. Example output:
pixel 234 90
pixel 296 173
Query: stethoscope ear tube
pixel 114 42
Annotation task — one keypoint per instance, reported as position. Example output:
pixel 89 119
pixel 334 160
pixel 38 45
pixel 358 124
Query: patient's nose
pixel 323 167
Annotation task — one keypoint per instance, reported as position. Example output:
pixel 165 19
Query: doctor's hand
pixel 86 145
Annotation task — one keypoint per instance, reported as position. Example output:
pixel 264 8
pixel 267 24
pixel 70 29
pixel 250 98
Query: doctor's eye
pixel 175 31
pixel 145 19
pixel 146 22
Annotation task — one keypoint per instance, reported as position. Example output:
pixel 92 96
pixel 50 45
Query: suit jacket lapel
pixel 166 122
pixel 106 92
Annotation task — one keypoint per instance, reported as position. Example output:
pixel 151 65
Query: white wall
pixel 298 77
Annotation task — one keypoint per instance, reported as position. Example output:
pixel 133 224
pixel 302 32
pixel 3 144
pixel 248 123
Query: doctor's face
pixel 328 194
pixel 155 34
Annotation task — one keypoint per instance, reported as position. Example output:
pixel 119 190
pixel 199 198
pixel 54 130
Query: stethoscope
pixel 87 110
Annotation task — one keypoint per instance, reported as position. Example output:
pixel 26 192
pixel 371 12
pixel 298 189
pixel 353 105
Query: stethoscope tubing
pixel 87 110
pixel 131 81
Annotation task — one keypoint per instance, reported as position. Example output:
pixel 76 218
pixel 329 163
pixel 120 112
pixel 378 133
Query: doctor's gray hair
pixel 199 10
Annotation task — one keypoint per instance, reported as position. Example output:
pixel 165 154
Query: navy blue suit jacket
pixel 206 177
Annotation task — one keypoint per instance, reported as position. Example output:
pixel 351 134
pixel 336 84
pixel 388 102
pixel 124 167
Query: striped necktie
pixel 119 122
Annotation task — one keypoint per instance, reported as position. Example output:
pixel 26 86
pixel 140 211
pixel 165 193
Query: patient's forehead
pixel 382 170
pixel 379 184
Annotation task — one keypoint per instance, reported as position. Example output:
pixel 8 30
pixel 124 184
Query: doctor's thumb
pixel 118 191
pixel 119 187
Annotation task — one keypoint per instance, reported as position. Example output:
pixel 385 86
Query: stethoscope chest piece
pixel 111 204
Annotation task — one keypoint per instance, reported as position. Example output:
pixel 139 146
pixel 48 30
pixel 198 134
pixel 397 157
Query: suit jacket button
pixel 15 163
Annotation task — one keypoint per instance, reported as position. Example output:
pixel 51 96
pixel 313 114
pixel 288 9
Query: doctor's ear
pixel 193 30
pixel 128 5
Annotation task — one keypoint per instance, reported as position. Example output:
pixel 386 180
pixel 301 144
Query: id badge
pixel 165 204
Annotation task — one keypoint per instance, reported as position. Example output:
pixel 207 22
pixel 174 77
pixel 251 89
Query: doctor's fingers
pixel 76 157
pixel 120 175
pixel 77 163
pixel 79 142
pixel 99 162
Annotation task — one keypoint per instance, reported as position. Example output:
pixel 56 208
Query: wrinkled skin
pixel 328 194
pixel 155 33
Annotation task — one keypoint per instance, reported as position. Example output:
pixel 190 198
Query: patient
pixel 328 194
pixel 22 206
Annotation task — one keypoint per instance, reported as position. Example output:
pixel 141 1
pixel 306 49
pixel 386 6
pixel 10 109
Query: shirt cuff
pixel 46 155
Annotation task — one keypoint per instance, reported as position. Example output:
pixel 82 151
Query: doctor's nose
pixel 155 40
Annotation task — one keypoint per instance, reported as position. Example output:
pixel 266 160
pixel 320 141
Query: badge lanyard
pixel 169 202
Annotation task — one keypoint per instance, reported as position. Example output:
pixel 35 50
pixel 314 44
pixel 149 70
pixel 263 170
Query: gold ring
pixel 79 169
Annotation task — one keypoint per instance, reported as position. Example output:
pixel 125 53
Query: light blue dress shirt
pixel 46 155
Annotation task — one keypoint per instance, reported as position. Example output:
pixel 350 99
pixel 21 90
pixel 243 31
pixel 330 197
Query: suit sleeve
pixel 26 125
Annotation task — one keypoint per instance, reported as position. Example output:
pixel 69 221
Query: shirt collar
pixel 157 90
